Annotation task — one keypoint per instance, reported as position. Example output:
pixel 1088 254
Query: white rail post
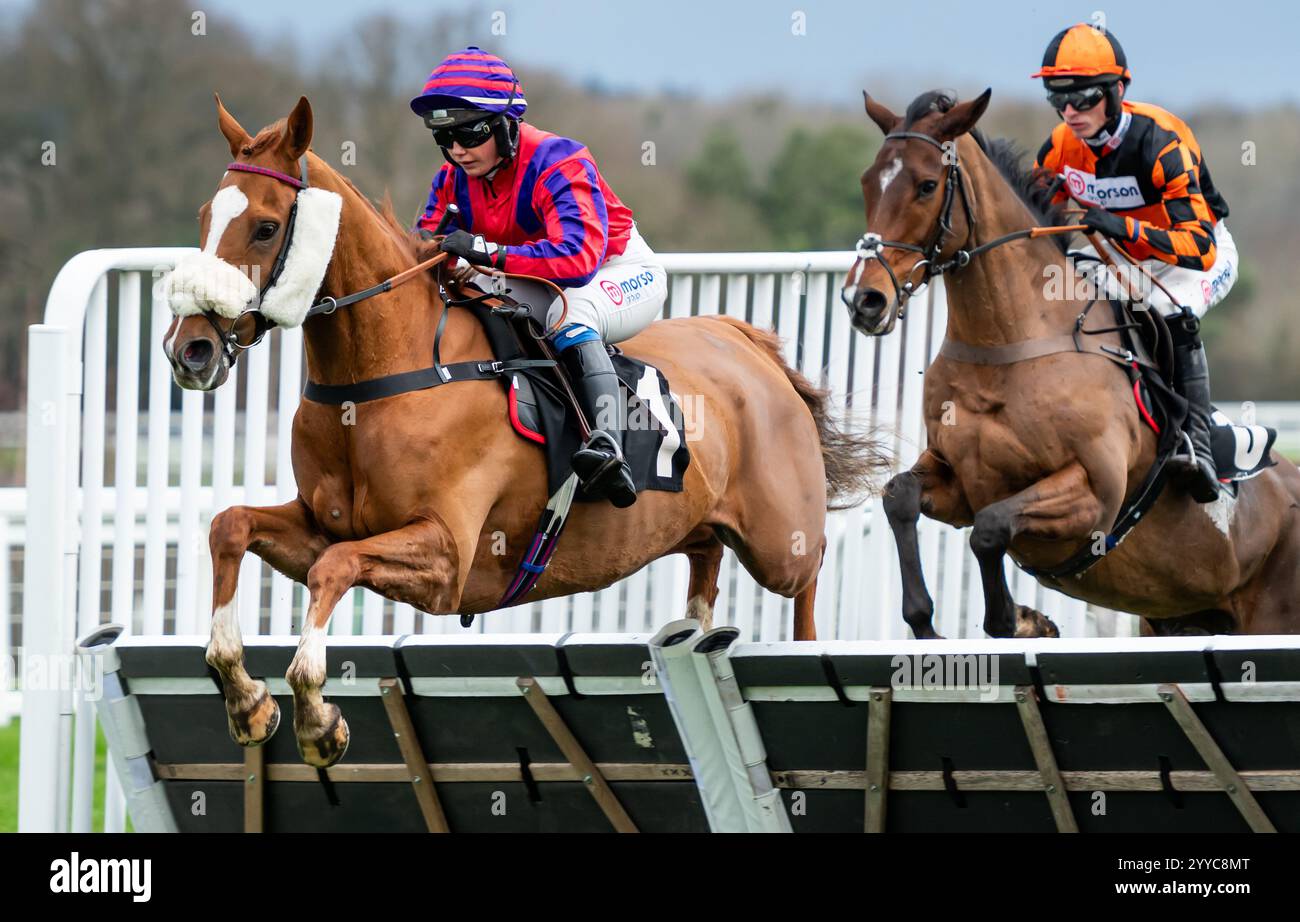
pixel 44 740
pixel 8 696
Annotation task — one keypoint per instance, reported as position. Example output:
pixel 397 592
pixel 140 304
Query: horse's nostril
pixel 873 300
pixel 196 354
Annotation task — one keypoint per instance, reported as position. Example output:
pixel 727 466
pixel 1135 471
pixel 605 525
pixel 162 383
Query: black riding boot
pixel 1197 475
pixel 599 463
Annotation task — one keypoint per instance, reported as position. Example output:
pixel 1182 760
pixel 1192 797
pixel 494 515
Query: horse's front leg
pixel 1061 507
pixel 929 486
pixel 286 537
pixel 418 563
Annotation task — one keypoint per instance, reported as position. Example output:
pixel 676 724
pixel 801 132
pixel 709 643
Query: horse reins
pixel 231 347
pixel 871 245
pixel 229 339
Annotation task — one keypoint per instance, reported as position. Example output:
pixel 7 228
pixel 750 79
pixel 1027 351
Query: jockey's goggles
pixel 1082 100
pixel 468 135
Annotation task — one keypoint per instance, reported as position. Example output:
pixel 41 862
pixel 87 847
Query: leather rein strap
pixel 388 385
pixel 872 246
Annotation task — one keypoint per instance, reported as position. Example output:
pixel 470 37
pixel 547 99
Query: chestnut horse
pixel 407 495
pixel 1040 453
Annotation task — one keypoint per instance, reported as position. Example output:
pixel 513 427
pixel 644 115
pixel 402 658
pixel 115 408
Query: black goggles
pixel 467 136
pixel 1082 100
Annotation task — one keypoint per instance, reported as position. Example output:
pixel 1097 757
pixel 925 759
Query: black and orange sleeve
pixel 1187 238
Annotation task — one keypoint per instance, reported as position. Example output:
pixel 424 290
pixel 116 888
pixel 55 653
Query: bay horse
pixel 408 495
pixel 1038 447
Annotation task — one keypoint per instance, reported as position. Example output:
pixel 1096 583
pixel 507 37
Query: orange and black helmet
pixel 1082 55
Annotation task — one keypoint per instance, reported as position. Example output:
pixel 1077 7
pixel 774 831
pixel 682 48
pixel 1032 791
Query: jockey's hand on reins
pixel 1105 222
pixel 474 248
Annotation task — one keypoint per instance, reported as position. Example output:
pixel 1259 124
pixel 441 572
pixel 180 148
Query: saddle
pixel 1147 355
pixel 1240 451
pixel 542 411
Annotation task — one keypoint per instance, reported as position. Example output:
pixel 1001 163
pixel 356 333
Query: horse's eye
pixel 927 187
pixel 266 230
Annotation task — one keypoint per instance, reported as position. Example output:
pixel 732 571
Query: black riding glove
pixel 1107 223
pixel 474 249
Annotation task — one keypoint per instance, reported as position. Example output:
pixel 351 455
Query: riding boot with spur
pixel 1197 474
pixel 599 463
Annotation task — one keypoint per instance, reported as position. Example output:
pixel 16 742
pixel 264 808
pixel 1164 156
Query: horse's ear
pixel 234 132
pixel 962 117
pixel 297 130
pixel 879 114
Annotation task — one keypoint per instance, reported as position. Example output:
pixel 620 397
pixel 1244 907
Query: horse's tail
pixel 853 460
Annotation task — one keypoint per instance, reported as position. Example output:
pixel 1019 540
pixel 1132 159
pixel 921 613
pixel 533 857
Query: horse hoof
pixel 1031 623
pixel 256 724
pixel 329 745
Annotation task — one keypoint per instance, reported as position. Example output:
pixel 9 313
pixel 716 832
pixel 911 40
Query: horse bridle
pixel 871 245
pixel 231 347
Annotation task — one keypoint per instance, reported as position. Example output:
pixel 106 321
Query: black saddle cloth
pixel 655 436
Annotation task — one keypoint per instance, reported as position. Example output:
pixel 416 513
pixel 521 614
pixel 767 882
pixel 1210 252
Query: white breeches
pixel 1198 290
pixel 626 294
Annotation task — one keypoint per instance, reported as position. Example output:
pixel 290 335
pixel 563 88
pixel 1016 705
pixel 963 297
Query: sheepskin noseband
pixel 203 283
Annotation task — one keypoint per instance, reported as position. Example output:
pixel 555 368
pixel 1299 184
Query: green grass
pixel 9 779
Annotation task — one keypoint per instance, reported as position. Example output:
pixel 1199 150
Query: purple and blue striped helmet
pixel 472 79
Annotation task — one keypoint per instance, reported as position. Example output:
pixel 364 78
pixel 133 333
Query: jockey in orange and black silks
pixel 535 203
pixel 1145 186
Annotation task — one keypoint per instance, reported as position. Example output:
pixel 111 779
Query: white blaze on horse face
pixel 890 172
pixel 228 204
pixel 202 282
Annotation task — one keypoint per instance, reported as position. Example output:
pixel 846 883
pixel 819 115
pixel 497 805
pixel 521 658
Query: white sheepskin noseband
pixel 203 283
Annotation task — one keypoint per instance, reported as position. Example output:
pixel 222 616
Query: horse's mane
pixel 1008 157
pixel 406 238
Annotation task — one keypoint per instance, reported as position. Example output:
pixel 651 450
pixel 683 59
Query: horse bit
pixel 231 347
pixel 871 245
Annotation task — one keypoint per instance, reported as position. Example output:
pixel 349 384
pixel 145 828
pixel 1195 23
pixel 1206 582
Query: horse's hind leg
pixel 706 562
pixel 417 564
pixel 1059 507
pixel 286 538
pixel 1270 602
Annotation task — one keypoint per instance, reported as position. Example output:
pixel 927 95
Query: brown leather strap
pixel 1023 351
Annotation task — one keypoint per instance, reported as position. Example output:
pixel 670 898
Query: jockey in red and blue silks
pixel 534 203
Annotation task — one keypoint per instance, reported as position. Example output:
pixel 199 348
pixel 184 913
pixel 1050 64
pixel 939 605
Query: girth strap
pixel 420 379
pixel 1023 351
pixel 1147 493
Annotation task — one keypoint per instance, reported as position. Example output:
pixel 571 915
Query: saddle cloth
pixel 654 427
pixel 1240 451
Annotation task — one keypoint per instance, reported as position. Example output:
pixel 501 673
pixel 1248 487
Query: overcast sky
pixel 1193 51
pixel 1186 53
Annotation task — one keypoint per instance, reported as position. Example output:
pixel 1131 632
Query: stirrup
pixel 606 472
pixel 1194 474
